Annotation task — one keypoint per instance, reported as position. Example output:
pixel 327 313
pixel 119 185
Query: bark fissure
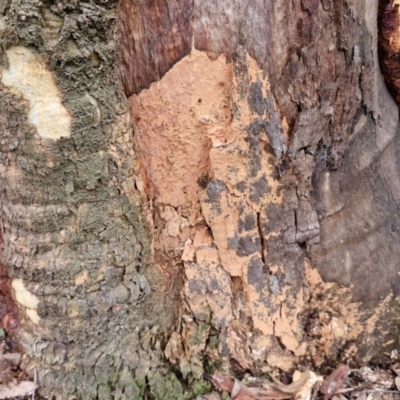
pixel 262 240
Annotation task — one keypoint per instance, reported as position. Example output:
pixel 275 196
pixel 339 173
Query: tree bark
pixel 195 185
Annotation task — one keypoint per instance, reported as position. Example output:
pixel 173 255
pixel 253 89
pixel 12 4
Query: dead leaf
pixel 301 388
pixel 12 390
pixel 397 382
pixel 257 393
pixel 295 386
pixel 239 391
pixel 380 379
pixel 361 395
pixel 209 396
pixel 221 381
pixel 224 382
pixel 12 358
pixel 6 372
pixel 237 387
pixel 338 397
pixel 313 383
pixel 378 395
pixel 335 381
pixel 396 368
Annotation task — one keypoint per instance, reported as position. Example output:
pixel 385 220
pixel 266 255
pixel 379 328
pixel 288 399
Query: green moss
pixel 201 387
pixel 132 387
pixel 201 335
pixel 165 387
pixel 211 367
pixel 134 390
pixel 140 383
pixel 104 392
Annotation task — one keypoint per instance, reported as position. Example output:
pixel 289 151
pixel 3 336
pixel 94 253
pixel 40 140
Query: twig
pixel 380 391
pixel 34 381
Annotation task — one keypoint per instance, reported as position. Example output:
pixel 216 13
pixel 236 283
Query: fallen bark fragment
pixel 209 396
pixel 335 381
pixel 295 386
pixel 13 358
pixel 310 388
pixel 5 371
pixel 381 379
pixel 261 389
pixel 397 382
pixel 12 390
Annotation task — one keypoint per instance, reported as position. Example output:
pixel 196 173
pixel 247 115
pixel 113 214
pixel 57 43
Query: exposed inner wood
pixel 28 77
pixel 209 135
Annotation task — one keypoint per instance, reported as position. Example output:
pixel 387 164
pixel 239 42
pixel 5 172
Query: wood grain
pixel 153 36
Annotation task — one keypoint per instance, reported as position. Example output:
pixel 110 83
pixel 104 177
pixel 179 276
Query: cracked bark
pixel 220 187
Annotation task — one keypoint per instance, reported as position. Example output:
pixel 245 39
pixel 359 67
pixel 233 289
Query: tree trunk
pixel 195 185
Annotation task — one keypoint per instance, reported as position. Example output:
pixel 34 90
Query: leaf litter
pixel 343 383
pixel 14 382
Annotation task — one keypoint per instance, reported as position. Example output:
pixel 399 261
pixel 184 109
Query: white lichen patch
pixel 26 76
pixel 33 315
pixel 26 299
pixel 95 108
pixel 23 296
pixel 81 278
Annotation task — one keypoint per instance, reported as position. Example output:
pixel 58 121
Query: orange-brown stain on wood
pixel 177 120
pixel 208 136
pixel 203 148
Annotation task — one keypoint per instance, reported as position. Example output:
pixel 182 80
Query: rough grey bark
pixel 70 209
pixel 125 291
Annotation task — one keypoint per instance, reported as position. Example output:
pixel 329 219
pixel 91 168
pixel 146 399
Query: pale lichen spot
pixel 28 77
pixel 23 295
pixel 81 278
pixel 33 315
pixel 26 299
pixel 95 108
pixel 72 309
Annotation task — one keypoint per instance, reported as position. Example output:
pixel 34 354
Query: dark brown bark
pixel 153 36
